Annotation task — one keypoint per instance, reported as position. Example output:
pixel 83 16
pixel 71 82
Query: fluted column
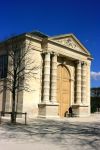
pixel 83 82
pixel 54 79
pixel 46 87
pixel 78 83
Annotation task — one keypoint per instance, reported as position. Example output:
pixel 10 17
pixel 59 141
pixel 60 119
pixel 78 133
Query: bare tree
pixel 21 67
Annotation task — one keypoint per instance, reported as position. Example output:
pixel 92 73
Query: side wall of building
pixel 33 81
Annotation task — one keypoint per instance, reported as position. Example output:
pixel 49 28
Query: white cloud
pixel 95 75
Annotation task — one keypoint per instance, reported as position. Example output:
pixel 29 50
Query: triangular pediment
pixel 70 41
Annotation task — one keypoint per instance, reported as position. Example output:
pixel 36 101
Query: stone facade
pixel 62 79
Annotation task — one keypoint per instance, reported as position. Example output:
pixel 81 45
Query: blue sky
pixel 52 17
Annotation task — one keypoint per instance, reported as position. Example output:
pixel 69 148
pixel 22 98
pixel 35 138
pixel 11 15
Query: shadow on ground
pixel 63 133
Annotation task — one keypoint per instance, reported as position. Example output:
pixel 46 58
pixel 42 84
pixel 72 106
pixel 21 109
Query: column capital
pixel 54 54
pixel 84 63
pixel 78 62
pixel 45 52
pixel 50 52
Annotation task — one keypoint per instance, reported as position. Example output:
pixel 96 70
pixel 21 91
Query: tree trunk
pixel 13 114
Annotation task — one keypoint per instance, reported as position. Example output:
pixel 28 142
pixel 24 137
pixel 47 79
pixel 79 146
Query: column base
pixel 48 110
pixel 81 110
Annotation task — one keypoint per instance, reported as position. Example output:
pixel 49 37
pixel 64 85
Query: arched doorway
pixel 63 89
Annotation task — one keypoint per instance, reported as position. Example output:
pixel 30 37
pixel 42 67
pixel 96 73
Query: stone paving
pixel 45 134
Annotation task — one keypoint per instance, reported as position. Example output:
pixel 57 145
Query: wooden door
pixel 63 89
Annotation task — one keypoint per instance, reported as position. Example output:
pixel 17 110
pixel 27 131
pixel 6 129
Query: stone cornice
pixel 20 37
pixel 48 41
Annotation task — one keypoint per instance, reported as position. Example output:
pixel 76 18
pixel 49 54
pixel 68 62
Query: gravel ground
pixel 45 134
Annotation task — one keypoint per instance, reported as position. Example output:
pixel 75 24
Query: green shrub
pixel 95 103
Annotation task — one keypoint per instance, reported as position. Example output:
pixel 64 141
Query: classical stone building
pixel 62 80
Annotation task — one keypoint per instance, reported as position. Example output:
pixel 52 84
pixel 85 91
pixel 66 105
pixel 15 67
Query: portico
pixel 65 79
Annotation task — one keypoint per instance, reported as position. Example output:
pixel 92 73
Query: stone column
pixel 54 79
pixel 46 87
pixel 83 82
pixel 88 84
pixel 78 83
pixel 72 91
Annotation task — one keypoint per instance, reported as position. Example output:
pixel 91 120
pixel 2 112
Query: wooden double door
pixel 63 90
